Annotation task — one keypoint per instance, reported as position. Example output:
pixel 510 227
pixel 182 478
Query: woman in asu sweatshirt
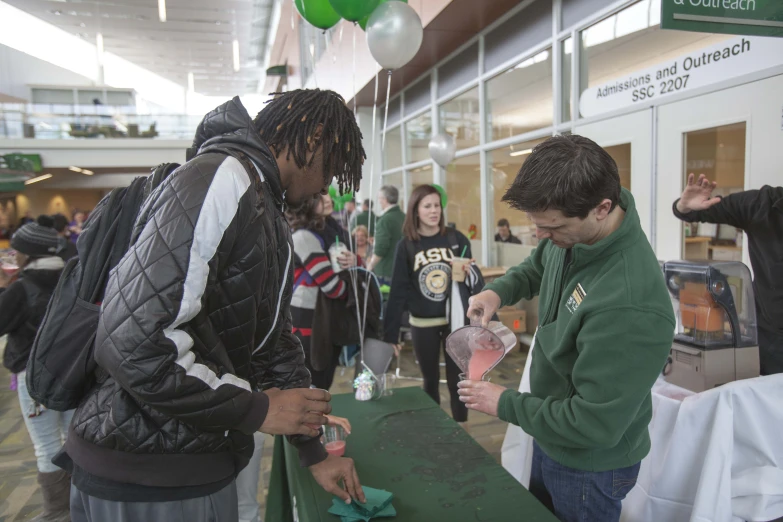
pixel 422 285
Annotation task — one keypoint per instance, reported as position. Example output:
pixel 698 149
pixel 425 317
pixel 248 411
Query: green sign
pixel 11 186
pixel 745 17
pixel 22 162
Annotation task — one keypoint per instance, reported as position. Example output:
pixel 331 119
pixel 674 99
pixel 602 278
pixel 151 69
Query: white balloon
pixel 443 148
pixel 394 34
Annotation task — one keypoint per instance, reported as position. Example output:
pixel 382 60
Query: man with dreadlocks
pixel 194 341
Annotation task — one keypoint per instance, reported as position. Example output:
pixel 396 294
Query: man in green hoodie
pixel 388 232
pixel 606 327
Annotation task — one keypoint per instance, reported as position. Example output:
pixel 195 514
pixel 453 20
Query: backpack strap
pixel 451 237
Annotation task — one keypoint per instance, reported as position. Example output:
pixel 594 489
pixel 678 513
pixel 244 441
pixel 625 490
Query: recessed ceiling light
pixel 520 152
pixel 82 24
pixel 235 45
pixel 162 10
pixel 36 180
pixel 75 169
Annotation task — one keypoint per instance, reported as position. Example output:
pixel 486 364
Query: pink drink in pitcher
pixel 482 361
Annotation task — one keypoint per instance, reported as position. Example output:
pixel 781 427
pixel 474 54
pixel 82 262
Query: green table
pixel 407 445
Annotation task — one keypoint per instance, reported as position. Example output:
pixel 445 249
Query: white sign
pixel 735 57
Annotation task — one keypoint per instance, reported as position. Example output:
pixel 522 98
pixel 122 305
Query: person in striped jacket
pixel 313 234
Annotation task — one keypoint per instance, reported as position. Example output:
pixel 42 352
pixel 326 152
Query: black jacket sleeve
pixel 13 307
pixel 402 288
pixel 736 210
pixel 290 362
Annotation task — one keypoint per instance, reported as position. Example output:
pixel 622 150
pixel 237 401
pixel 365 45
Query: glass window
pixel 420 176
pixel 632 40
pixel 719 154
pixel 567 49
pixel 519 100
pixel 621 154
pixel 464 192
pixel 505 164
pixel 396 180
pixel 460 118
pixel 418 132
pixel 392 153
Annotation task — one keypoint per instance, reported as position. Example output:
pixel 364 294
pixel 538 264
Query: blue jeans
pixel 580 496
pixel 47 430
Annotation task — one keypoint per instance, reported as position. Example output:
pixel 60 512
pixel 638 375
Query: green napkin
pixel 378 505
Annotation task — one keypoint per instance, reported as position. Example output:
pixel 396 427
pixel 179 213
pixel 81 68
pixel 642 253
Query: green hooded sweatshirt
pixel 606 327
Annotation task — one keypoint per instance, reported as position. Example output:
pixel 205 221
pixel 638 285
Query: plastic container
pixel 477 350
pixel 335 440
pixel 459 265
pixel 335 251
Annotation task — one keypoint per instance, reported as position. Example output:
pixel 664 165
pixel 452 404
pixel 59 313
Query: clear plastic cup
pixel 335 440
pixel 335 251
pixel 388 380
pixel 458 268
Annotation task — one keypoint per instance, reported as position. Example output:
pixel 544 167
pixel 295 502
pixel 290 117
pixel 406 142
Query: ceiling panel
pixel 197 36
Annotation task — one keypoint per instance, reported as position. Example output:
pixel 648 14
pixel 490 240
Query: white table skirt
pixel 716 456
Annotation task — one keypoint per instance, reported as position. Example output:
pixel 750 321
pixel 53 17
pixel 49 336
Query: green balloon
pixel 354 10
pixel 363 21
pixel 318 12
pixel 332 192
pixel 444 198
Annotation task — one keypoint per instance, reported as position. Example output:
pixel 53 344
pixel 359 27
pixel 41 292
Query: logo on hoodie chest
pixel 576 298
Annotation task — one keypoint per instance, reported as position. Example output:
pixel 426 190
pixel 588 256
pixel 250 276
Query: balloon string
pixel 386 114
pixel 371 217
pixel 312 60
pixel 326 43
pixel 354 68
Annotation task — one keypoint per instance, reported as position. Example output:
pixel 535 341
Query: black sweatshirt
pixel 760 214
pixel 421 283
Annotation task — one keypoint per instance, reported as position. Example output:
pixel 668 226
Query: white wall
pixel 127 152
pixel 17 70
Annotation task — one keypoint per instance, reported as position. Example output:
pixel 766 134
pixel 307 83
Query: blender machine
pixel 716 340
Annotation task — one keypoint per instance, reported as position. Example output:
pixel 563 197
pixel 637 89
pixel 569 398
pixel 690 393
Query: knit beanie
pixel 36 239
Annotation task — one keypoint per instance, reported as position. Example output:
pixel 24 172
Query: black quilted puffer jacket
pixel 195 322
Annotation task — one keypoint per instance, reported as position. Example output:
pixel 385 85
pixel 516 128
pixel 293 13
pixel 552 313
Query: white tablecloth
pixel 716 456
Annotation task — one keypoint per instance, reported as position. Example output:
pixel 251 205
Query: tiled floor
pixel 21 500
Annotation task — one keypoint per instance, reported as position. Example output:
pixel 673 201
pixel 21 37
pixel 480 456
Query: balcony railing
pixel 57 122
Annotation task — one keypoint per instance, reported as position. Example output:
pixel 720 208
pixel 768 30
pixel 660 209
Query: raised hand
pixel 697 195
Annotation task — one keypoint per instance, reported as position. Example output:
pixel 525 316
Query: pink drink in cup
pixel 336 448
pixel 334 440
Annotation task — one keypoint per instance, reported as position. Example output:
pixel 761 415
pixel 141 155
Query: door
pixel 733 136
pixel 628 139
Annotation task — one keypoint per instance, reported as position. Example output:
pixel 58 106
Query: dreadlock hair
pixel 290 120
